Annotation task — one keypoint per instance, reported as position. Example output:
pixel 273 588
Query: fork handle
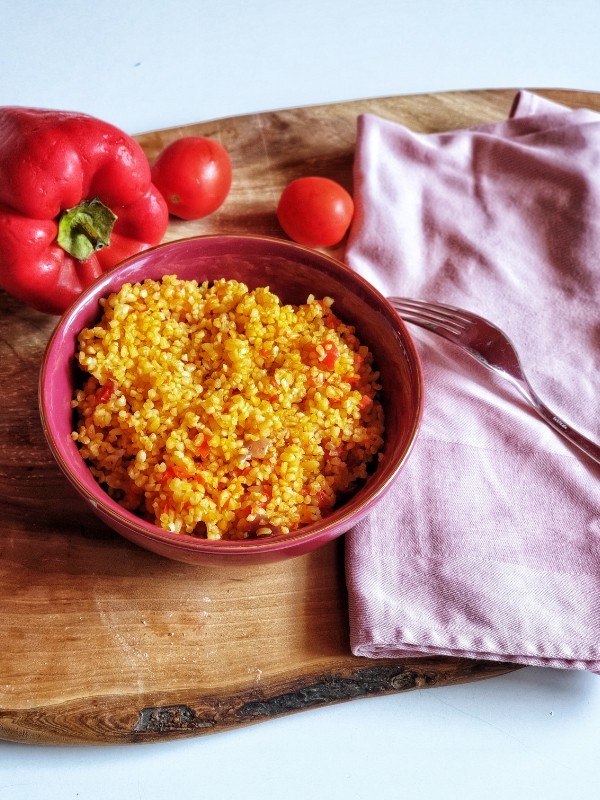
pixel 579 440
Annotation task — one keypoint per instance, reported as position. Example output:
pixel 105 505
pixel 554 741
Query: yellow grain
pixel 207 409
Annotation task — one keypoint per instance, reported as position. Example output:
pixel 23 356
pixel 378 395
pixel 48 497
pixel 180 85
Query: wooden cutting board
pixel 103 642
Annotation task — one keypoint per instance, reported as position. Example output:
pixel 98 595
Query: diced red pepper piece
pixel 331 356
pixel 331 321
pixel 173 471
pixel 324 500
pixel 105 392
pixel 365 402
pixel 203 449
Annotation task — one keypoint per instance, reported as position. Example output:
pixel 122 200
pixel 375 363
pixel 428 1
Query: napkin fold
pixel 488 544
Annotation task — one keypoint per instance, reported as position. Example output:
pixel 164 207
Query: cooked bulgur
pixel 220 412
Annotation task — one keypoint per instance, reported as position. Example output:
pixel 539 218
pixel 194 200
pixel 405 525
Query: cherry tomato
pixel 194 176
pixel 315 211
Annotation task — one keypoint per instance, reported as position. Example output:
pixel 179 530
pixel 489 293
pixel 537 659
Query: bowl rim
pixel 331 526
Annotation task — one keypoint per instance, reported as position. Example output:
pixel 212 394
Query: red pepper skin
pixel 332 353
pixel 50 161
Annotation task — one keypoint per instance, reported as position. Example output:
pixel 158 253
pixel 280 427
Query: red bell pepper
pixel 76 198
pixel 330 356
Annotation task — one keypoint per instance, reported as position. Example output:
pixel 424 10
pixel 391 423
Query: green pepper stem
pixel 86 228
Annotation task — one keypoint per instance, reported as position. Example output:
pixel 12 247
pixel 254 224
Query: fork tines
pixel 430 316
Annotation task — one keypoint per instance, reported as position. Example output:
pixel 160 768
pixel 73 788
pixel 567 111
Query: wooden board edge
pixel 574 97
pixel 138 719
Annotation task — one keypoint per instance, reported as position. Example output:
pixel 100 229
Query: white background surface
pixel 144 64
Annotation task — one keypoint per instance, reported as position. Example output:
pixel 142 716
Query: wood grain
pixel 103 642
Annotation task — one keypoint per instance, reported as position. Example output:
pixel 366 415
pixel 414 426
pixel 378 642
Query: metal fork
pixel 492 348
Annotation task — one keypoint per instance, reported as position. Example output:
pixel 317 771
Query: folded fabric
pixel 488 544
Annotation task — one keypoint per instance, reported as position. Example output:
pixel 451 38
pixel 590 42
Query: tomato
pixel 194 176
pixel 315 211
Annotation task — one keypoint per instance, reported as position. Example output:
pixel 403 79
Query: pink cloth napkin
pixel 488 545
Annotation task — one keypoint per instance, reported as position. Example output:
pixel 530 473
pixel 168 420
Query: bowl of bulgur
pixel 231 399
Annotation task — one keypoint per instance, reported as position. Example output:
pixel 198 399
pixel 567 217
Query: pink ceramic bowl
pixel 293 272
